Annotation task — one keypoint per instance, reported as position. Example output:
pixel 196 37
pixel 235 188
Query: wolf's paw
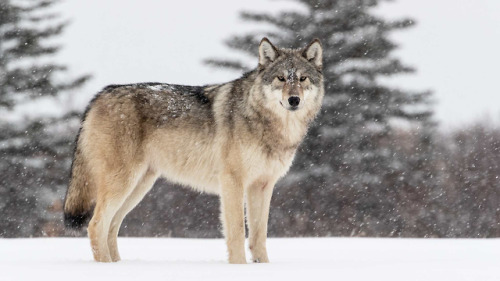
pixel 116 259
pixel 259 255
pixel 261 260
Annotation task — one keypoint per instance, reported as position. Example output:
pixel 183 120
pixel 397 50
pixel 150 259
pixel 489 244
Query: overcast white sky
pixel 455 46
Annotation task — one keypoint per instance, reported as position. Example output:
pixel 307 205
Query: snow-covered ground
pixel 308 259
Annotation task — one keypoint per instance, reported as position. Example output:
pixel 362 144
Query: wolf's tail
pixel 80 197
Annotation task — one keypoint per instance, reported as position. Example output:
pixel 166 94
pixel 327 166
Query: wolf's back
pixel 80 196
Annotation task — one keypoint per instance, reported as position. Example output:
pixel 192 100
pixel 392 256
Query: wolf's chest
pixel 259 162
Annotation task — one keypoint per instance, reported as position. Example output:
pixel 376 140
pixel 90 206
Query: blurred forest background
pixel 373 164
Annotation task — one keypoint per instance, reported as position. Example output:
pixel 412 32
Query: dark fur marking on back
pixel 139 85
pixel 196 91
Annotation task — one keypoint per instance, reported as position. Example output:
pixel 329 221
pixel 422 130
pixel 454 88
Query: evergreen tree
pixel 347 172
pixel 25 28
pixel 35 155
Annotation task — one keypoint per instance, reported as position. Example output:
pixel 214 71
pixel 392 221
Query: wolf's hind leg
pixel 258 200
pixel 112 192
pixel 143 186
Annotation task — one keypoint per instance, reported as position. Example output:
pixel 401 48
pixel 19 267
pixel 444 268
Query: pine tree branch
pixel 29 34
pixel 38 5
pixel 35 80
pixel 27 51
pixel 78 82
pixel 42 18
pixel 371 68
pixel 221 63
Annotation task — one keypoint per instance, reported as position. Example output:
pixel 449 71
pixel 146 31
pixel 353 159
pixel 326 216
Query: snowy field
pixel 291 259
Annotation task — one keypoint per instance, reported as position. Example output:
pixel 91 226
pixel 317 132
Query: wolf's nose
pixel 294 101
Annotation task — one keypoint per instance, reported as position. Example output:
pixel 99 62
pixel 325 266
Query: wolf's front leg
pixel 258 201
pixel 232 216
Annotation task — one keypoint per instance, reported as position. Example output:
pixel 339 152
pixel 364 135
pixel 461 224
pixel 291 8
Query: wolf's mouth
pixel 289 108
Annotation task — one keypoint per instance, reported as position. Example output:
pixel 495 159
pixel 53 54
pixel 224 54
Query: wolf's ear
pixel 314 53
pixel 267 52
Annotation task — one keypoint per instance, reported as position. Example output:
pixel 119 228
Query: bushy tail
pixel 80 197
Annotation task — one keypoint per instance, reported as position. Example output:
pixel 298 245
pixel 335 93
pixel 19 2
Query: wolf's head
pixel 291 77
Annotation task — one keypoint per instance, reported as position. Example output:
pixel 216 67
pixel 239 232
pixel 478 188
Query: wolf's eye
pixel 281 78
pixel 303 78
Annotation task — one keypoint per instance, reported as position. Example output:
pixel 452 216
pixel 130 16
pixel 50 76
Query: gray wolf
pixel 234 139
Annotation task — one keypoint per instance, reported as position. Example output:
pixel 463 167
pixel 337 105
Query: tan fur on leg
pixel 98 242
pixel 112 193
pixel 232 215
pixel 258 200
pixel 98 230
pixel 144 185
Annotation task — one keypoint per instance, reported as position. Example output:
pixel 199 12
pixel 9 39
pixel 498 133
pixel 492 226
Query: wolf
pixel 234 139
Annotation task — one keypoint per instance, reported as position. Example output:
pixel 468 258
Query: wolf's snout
pixel 294 101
